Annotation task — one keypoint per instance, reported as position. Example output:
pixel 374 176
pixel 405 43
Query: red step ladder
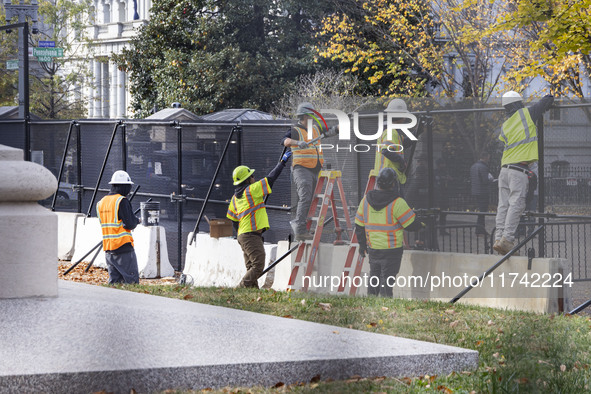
pixel 324 193
pixel 353 246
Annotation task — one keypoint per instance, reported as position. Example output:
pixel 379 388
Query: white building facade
pixel 116 24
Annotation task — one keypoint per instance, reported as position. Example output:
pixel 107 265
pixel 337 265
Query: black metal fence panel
pixel 449 141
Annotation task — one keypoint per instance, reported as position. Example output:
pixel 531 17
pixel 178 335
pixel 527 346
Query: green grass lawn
pixel 518 351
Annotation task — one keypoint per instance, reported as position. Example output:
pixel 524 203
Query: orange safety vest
pixel 309 156
pixel 114 234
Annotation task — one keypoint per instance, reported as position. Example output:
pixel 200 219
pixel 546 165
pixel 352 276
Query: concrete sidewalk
pixel 93 338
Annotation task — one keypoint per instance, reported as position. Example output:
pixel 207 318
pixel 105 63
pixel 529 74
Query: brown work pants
pixel 254 258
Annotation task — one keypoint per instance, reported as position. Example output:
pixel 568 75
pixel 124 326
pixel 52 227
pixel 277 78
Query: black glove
pixel 362 251
pixel 333 130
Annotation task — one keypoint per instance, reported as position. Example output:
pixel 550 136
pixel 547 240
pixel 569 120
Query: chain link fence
pixel 175 162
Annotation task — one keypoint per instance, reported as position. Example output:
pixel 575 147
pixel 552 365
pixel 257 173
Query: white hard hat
pixel 305 108
pixel 396 106
pixel 510 97
pixel 120 178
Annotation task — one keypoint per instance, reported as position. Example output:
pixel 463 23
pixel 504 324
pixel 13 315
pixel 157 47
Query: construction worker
pixel 247 211
pixel 307 163
pixel 519 136
pixel 389 152
pixel 381 218
pixel 117 220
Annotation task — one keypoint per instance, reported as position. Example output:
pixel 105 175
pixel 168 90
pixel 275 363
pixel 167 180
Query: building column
pixel 121 102
pixel 97 90
pixel 113 83
pixel 105 91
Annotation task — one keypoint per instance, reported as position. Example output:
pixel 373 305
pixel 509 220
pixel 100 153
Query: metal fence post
pixel 541 187
pixel 180 206
pixel 59 175
pixel 124 146
pixel 79 187
pixel 431 181
pixel 98 181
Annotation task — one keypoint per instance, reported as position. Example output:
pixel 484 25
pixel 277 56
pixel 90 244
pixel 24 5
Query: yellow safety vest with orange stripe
pixel 114 234
pixel 250 209
pixel 384 228
pixel 382 162
pixel 310 156
pixel 519 134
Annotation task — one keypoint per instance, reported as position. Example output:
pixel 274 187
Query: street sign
pixel 47 44
pixel 53 52
pixel 12 64
pixel 45 58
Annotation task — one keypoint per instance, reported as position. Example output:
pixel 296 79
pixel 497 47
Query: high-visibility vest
pixel 250 209
pixel 307 157
pixel 519 134
pixel 114 234
pixel 384 228
pixel 382 162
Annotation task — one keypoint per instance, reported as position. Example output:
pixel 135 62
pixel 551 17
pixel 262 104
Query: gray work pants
pixel 122 267
pixel 382 273
pixel 305 182
pixel 512 194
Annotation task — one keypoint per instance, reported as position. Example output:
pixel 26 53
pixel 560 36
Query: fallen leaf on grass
pixel 325 306
pixel 496 355
pixel 407 380
pixel 315 379
pixel 478 343
pixel 563 368
pixel 446 390
pixel 454 323
pixel 370 325
pixel 188 297
pixel 259 299
pixel 384 308
pixel 303 302
pixel 450 311
pixel 279 384
pixel 490 323
pixel 288 316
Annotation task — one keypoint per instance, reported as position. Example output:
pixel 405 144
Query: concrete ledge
pixel 93 338
pixel 423 269
pixel 219 261
pixel 66 230
pixel 145 238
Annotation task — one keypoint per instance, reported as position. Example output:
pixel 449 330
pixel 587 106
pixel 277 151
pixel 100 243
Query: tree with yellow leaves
pixel 402 46
pixel 549 39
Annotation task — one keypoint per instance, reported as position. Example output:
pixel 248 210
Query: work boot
pixel 503 246
pixel 304 236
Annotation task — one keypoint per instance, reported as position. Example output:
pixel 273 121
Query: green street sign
pixel 45 58
pixel 12 64
pixel 49 52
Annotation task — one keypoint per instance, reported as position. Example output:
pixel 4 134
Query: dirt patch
pixel 100 276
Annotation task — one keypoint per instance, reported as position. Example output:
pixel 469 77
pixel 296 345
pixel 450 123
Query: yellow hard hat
pixel 240 174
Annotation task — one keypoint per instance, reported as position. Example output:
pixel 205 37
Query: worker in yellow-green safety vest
pixel 248 213
pixel 381 218
pixel 390 151
pixel 520 140
pixel 117 220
